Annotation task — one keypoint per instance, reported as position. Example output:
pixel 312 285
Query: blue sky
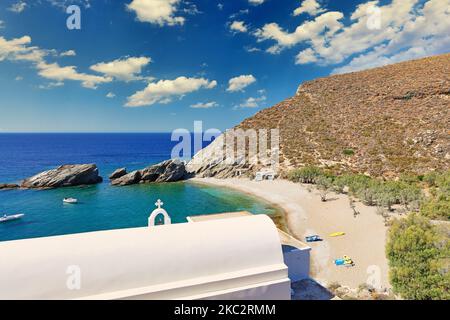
pixel 158 65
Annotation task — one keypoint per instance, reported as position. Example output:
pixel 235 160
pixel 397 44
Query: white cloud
pixel 375 34
pixel 160 12
pixel 206 105
pixel 252 49
pixel 239 13
pixel 18 7
pixel 2 24
pixel 18 50
pixel 252 102
pixel 381 57
pixel 323 26
pixel 306 56
pixel 126 69
pixel 311 7
pixel 63 4
pixel 164 91
pixel 60 74
pixel 8 48
pixel 238 26
pixel 274 49
pixel 256 2
pixel 51 85
pixel 68 53
pixel 220 6
pixel 240 83
pixel 407 30
pixel 111 95
pixel 19 78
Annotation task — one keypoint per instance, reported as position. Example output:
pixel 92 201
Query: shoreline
pixel 281 215
pixel 305 214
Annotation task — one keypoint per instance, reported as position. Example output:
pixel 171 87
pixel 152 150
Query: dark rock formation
pixel 167 171
pixel 8 186
pixel 118 173
pixel 64 176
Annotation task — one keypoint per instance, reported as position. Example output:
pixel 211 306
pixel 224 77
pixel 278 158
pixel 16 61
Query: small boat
pixel 12 217
pixel 337 234
pixel 70 200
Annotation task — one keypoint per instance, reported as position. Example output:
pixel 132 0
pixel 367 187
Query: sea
pixel 101 206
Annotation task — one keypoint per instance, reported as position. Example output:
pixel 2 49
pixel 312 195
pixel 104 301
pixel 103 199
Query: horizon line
pixel 81 132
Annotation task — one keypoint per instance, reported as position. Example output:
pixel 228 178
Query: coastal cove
pixel 101 206
pixel 305 214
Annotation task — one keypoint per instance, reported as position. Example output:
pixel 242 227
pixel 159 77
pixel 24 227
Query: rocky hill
pixel 382 121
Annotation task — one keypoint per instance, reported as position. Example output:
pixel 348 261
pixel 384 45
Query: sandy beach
pixel 364 239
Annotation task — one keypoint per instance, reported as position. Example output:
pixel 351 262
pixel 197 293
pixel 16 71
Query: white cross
pixel 159 203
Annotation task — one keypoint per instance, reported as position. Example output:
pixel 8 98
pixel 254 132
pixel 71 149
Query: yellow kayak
pixel 337 234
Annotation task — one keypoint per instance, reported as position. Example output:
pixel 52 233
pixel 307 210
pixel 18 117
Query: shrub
pixel 305 175
pixel 430 179
pixel 324 184
pixel 409 194
pixel 339 184
pixel 410 178
pixel 334 286
pixel 437 206
pixel 376 192
pixel 417 258
pixel 348 152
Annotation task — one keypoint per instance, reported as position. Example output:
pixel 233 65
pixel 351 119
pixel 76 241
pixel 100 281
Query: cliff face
pixel 382 121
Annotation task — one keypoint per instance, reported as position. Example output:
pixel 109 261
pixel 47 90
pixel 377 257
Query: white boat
pixel 12 217
pixel 70 200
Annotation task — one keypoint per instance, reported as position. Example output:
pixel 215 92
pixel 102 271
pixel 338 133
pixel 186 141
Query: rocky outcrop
pixel 8 186
pixel 167 171
pixel 64 176
pixel 211 162
pixel 118 174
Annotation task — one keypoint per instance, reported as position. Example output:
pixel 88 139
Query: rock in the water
pixel 8 186
pixel 118 173
pixel 130 178
pixel 167 171
pixel 64 176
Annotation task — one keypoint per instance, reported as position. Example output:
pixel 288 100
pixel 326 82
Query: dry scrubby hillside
pixel 382 121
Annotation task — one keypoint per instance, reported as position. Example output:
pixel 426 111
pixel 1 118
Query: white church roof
pixel 170 261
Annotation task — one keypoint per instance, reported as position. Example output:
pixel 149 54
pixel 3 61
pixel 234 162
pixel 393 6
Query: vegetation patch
pixel 418 259
pixel 418 246
pixel 348 152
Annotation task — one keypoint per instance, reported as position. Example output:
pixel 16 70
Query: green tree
pixel 409 194
pixel 437 205
pixel 324 185
pixel 305 175
pixel 418 258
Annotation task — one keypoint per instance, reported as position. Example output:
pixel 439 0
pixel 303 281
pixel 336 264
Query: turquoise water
pixel 102 207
